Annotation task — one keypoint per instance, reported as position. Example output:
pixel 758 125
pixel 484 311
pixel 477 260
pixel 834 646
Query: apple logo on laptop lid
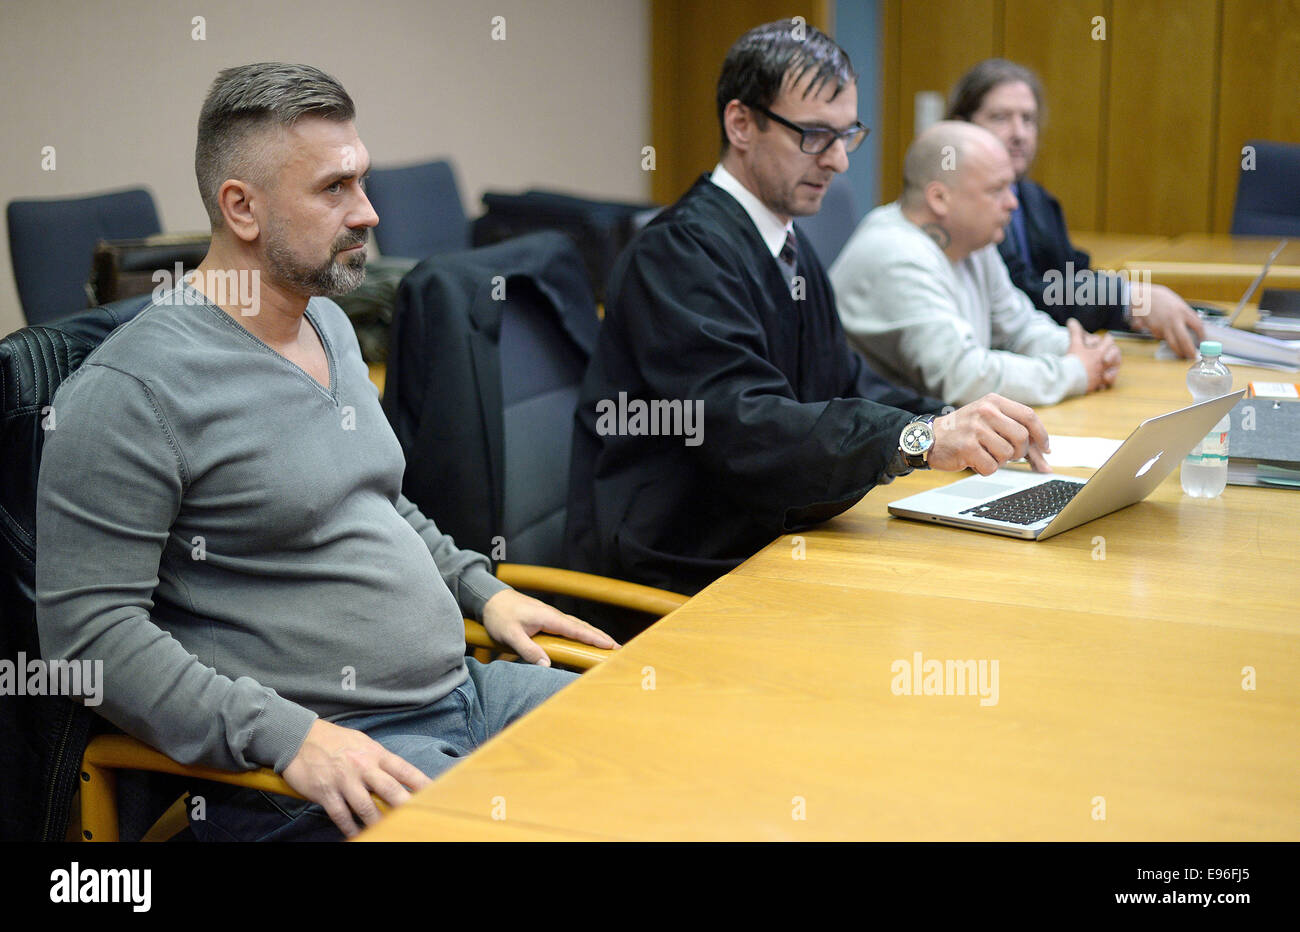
pixel 1146 467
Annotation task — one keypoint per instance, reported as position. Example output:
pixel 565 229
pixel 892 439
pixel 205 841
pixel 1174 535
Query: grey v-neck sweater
pixel 229 537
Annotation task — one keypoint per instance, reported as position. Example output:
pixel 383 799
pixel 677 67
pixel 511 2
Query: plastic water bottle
pixel 1205 470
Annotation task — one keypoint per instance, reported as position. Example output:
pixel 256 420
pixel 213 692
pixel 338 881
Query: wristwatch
pixel 915 442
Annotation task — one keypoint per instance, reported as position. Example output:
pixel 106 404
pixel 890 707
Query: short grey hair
pixel 244 102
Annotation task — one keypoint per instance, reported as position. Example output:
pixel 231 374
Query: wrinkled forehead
pixel 316 146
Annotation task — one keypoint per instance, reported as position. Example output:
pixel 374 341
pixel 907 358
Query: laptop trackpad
pixel 975 488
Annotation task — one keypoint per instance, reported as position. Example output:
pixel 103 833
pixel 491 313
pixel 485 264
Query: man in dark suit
pixel 1007 99
pixel 723 406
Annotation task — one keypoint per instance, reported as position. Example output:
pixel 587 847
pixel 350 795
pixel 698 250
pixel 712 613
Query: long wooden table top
pixel 765 708
pixel 1213 267
pixel 1218 267
pixel 1112 250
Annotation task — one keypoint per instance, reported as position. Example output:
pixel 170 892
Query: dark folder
pixel 1264 443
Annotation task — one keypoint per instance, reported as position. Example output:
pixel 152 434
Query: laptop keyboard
pixel 1029 505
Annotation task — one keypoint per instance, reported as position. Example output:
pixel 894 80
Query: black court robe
pixel 796 427
pixel 1050 249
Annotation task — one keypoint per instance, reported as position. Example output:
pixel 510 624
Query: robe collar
pixel 769 226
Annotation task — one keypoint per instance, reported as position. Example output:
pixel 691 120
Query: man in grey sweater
pixel 924 295
pixel 220 517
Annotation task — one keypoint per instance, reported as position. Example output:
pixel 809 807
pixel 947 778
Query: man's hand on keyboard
pixel 987 434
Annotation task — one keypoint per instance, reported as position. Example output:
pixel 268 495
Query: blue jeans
pixel 433 738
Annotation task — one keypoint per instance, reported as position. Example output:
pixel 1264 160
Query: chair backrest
pixel 420 211
pixel 830 228
pixel 541 371
pixel 1268 191
pixel 52 242
pixel 43 736
pixel 489 347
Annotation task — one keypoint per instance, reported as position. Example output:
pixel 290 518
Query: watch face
pixel 917 438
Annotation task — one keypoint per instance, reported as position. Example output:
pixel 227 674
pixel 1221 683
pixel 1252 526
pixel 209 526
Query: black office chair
pixel 420 211
pixel 489 347
pixel 43 736
pixel 830 228
pixel 52 243
pixel 1268 194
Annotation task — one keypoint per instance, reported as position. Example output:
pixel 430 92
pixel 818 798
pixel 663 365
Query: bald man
pixel 924 295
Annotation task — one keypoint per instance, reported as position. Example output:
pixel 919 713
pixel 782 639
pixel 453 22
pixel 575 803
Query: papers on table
pixel 1249 346
pixel 1085 452
pixel 1164 352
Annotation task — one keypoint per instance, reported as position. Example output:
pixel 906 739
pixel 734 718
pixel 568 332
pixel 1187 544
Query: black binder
pixel 1264 443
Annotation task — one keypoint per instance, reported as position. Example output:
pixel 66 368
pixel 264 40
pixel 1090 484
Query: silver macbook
pixel 1210 312
pixel 1036 506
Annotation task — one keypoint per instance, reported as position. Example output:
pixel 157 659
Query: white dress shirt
pixel 769 225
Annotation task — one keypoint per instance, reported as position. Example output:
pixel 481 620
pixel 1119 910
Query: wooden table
pixel 378 373
pixel 1218 267
pixel 1112 250
pixel 763 709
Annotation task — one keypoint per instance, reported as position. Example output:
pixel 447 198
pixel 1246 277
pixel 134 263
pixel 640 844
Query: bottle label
pixel 1213 450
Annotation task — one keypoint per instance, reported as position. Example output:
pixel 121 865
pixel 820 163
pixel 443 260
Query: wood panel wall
pixel 932 48
pixel 1259 91
pixel 689 41
pixel 1144 128
pixel 1162 104
pixel 1055 40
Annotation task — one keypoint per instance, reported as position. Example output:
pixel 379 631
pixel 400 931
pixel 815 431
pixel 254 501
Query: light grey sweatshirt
pixel 229 537
pixel 956 330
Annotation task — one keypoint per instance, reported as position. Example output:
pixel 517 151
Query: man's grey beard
pixel 329 280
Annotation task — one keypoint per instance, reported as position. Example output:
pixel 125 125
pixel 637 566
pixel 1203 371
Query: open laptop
pixel 1036 506
pixel 1210 312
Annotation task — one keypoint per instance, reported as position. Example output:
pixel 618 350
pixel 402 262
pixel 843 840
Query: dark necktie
pixel 788 257
pixel 1016 231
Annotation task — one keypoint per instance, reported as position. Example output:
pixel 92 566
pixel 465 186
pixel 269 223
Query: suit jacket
pixel 442 390
pixel 796 427
pixel 1050 250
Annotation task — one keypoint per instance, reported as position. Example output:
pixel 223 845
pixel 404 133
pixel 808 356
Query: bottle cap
pixel 1211 348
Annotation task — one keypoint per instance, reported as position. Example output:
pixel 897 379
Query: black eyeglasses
pixel 817 139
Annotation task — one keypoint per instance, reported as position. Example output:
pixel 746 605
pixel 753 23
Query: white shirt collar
pixel 769 225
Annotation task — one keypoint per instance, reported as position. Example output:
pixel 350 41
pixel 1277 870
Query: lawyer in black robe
pixel 796 427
